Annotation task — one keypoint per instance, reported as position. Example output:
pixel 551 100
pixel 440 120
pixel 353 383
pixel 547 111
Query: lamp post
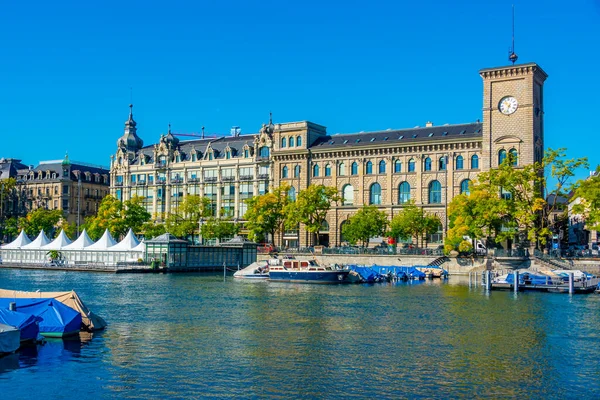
pixel 78 201
pixel 446 196
pixel 200 222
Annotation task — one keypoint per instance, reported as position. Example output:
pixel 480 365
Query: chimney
pixel 428 124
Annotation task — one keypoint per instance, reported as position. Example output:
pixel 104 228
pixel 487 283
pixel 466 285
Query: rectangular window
pixel 65 189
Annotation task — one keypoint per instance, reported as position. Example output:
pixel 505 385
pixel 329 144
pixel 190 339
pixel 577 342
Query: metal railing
pixel 354 250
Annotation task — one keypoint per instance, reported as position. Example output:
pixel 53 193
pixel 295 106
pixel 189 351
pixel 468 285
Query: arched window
pixel 435 192
pixel 354 169
pixel 427 164
pixel 382 167
pixel 442 163
pixel 342 169
pixel 459 162
pixel 347 195
pixel 397 166
pixel 296 171
pixel 316 170
pixel 375 194
pixel 475 162
pixel 292 194
pixel 411 165
pixel 284 172
pixel 514 156
pixel 283 142
pixel 299 141
pixel 464 187
pixel 264 151
pixel 291 141
pixel 369 167
pixel 404 193
pixel 327 170
pixel 501 156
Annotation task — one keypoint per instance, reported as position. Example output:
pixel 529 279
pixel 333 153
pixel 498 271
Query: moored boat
pixel 305 271
pixel 256 271
pixel 10 339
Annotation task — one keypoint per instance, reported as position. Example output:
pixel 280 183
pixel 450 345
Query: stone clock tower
pixel 513 113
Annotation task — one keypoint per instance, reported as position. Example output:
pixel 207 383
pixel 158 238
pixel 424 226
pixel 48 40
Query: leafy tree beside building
pixel 266 213
pixel 413 222
pixel 367 223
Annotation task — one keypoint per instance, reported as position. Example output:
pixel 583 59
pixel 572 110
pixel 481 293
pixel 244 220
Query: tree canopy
pixel 311 208
pixel 185 221
pixel 39 219
pixel 117 217
pixel 266 213
pixel 510 202
pixel 367 223
pixel 413 222
pixel 589 201
pixel 219 228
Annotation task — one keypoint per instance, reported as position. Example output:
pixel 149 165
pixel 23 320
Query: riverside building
pixel 428 165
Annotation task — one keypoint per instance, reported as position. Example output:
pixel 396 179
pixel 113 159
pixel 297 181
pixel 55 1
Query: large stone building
pixel 428 165
pixel 75 188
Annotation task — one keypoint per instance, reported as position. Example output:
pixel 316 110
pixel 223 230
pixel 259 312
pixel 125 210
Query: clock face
pixel 508 105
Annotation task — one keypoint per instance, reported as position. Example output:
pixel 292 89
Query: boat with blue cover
pixel 305 271
pixel 56 319
pixel 27 324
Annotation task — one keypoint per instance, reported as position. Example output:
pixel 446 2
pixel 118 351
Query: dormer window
pixel 194 157
pixel 228 154
pixel 177 158
pixel 246 153
pixel 210 156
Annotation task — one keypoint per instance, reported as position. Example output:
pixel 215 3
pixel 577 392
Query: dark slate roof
pixel 236 143
pixel 56 166
pixel 9 167
pixel 400 136
pixel 166 238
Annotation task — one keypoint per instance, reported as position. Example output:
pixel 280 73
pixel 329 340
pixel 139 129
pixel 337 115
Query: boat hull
pixel 326 277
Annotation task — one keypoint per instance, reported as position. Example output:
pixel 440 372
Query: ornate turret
pixel 170 139
pixel 130 141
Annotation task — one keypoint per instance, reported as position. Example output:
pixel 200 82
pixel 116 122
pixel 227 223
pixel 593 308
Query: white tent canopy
pixel 81 243
pixel 61 241
pixel 128 243
pixel 104 243
pixel 140 247
pixel 19 242
pixel 40 241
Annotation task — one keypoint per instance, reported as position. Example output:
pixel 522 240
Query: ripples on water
pixel 194 336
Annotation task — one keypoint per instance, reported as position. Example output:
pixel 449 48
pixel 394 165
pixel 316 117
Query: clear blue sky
pixel 67 67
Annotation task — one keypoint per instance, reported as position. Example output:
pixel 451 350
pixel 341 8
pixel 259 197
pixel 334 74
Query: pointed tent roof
pixel 20 241
pixel 140 247
pixel 128 243
pixel 81 243
pixel 59 243
pixel 105 242
pixel 40 240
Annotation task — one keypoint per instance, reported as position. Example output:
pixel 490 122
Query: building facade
pixel 427 165
pixel 75 188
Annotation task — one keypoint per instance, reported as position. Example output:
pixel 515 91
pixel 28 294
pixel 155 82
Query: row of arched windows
pixel 434 192
pixel 381 167
pixel 285 174
pixel 291 141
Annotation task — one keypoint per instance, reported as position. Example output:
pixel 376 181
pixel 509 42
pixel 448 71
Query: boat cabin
pixel 293 264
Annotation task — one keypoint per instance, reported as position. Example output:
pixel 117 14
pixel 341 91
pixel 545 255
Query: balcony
pixel 140 183
pixel 118 184
pixel 263 176
pixel 210 179
pixel 228 178
pixel 246 177
pixel 177 181
pixel 161 181
pixel 193 180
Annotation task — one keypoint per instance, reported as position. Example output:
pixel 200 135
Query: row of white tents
pixel 106 250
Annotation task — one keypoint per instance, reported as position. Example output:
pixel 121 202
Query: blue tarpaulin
pixel 27 323
pixel 411 272
pixel 57 319
pixel 366 273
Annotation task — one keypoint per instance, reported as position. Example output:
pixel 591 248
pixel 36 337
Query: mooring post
pixel 470 280
pixel 571 283
pixel 488 280
pixel 516 284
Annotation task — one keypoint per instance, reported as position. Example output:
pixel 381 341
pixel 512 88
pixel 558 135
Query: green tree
pixel 311 208
pixel 589 201
pixel 70 229
pixel 219 228
pixel 184 222
pixel 153 229
pixel 117 217
pixel 413 222
pixel 509 202
pixel 266 213
pixel 368 222
pixel 39 219
pixel 10 229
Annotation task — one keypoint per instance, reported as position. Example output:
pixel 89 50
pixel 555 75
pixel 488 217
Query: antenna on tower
pixel 512 56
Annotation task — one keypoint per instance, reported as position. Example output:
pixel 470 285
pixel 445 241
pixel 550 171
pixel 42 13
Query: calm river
pixel 195 336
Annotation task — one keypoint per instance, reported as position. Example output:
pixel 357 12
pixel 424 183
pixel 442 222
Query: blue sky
pixel 67 68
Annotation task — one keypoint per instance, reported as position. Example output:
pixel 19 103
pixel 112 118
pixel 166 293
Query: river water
pixel 182 336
